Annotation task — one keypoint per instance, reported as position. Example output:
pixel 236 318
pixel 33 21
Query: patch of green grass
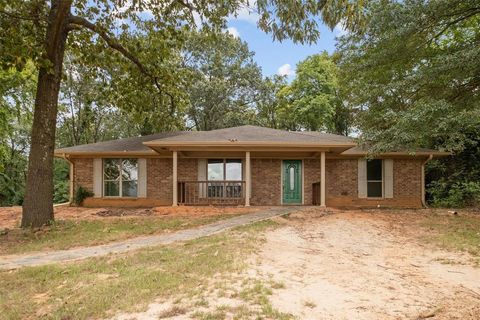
pixel 65 234
pixel 455 232
pixel 215 315
pixel 257 293
pixel 100 287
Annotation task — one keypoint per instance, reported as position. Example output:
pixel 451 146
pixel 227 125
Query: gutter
pixel 72 166
pixel 430 157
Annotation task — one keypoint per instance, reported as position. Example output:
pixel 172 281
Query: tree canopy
pixel 413 72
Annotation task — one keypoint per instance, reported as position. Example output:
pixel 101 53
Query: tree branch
pixel 111 42
pixel 186 5
pixel 77 22
pixel 21 17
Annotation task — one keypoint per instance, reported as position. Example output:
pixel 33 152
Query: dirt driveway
pixel 360 265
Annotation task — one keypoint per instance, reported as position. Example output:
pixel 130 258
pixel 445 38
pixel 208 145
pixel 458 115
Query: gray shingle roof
pixel 134 144
pixel 239 134
pixel 257 134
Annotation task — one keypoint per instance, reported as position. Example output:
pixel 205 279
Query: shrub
pixel 458 194
pixel 81 194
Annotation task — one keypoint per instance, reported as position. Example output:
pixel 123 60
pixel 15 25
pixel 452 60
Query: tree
pixel 16 98
pixel 413 73
pixel 44 28
pixel 268 104
pixel 224 81
pixel 414 76
pixel 312 100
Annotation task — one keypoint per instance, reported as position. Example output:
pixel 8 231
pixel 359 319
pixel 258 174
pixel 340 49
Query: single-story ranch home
pixel 245 165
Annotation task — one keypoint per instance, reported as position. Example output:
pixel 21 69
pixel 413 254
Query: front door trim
pixel 302 189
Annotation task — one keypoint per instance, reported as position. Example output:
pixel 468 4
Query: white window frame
pixel 225 169
pixel 382 181
pixel 120 180
pixel 224 187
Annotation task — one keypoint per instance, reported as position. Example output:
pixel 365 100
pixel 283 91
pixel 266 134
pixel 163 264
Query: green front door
pixel 292 181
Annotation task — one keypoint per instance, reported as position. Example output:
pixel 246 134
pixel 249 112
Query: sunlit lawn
pixel 100 287
pixel 64 234
pixel 460 232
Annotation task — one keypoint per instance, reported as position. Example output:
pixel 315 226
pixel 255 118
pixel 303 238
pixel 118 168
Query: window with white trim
pixel 120 177
pixel 375 178
pixel 224 174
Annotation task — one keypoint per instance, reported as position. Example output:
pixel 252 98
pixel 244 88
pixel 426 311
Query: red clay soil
pixel 10 216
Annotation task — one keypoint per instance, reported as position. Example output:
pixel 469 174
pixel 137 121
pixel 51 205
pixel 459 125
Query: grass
pixel 461 233
pixel 100 287
pixel 64 234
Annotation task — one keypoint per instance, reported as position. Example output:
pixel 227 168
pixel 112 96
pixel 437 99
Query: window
pixel 224 169
pixel 375 178
pixel 226 172
pixel 120 177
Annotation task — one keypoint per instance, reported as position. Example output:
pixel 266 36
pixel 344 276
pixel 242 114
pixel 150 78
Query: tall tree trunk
pixel 38 202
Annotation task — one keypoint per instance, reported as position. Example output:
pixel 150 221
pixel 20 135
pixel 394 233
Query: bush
pixel 458 194
pixel 81 194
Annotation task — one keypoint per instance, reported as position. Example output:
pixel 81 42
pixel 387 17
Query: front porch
pixel 229 178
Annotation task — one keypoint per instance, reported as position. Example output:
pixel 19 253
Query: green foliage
pixel 224 81
pixel 81 194
pixel 16 100
pixel 268 105
pixel 61 181
pixel 456 195
pixel 312 101
pixel 413 73
pixel 455 181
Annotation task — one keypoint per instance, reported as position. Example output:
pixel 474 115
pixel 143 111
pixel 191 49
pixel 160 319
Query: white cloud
pixel 285 70
pixel 233 31
pixel 247 13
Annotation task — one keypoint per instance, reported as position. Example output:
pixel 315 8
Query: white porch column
pixel 174 179
pixel 322 179
pixel 247 179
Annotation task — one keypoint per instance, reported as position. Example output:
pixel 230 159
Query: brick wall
pixel 83 173
pixel 159 176
pixel 341 181
pixel 266 182
pixel 311 175
pixel 342 184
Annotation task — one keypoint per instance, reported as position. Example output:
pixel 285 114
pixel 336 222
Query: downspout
pixel 64 156
pixel 430 157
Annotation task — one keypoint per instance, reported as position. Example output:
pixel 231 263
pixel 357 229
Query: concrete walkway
pixel 42 258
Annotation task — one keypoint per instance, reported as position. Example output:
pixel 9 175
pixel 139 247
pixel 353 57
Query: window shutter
pixel 97 177
pixel 362 178
pixel 202 176
pixel 388 176
pixel 142 178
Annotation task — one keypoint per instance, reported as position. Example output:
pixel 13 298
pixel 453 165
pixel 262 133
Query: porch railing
pixel 223 192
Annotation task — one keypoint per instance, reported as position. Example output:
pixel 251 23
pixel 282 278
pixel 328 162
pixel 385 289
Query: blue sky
pixel 278 57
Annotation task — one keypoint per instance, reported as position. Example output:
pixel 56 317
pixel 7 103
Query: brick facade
pixel 83 173
pixel 341 182
pixel 159 176
pixel 266 182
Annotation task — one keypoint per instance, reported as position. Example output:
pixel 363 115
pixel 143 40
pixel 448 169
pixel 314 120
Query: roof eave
pixel 420 153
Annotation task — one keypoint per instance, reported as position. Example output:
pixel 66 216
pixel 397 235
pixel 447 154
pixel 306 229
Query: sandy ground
pixel 360 265
pixel 10 216
pixel 349 265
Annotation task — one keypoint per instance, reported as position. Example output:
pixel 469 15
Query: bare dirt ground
pixel 10 216
pixel 366 265
pixel 341 265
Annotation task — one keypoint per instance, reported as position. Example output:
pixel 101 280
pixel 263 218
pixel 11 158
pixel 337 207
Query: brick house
pixel 245 165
